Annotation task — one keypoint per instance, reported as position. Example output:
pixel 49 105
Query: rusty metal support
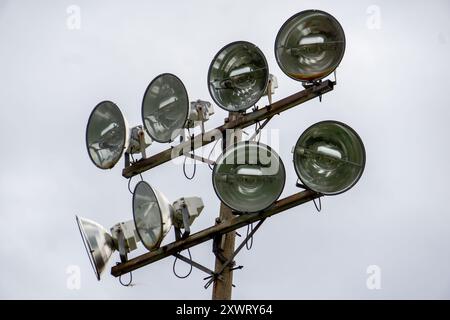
pixel 316 90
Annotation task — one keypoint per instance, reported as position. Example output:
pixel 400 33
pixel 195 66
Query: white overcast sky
pixel 392 89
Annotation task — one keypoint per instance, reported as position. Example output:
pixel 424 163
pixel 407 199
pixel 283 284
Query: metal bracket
pixel 187 229
pixel 298 184
pixel 199 108
pixel 230 260
pixel 253 136
pixel 186 226
pixel 127 159
pixel 142 143
pixel 196 157
pixel 217 248
pixel 122 246
pixel 269 91
pixel 194 264
pixel 247 238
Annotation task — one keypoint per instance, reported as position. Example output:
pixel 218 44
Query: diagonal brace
pixel 194 264
pixel 239 248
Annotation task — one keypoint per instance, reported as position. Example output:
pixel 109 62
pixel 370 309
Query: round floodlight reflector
pixel 310 45
pixel 329 157
pixel 152 214
pixel 106 135
pixel 165 108
pixel 98 243
pixel 238 76
pixel 248 177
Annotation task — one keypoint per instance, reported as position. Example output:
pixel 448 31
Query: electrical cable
pixel 129 283
pixel 318 208
pixel 195 162
pixel 175 262
pixel 129 182
pixel 134 161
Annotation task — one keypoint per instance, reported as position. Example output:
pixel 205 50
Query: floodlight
pixel 248 176
pixel 165 108
pixel 310 45
pixel 100 245
pixel 199 113
pixel 152 214
pixel 139 141
pixel 106 135
pixel 238 76
pixel 329 157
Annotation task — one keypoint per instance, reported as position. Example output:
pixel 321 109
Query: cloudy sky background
pixel 392 89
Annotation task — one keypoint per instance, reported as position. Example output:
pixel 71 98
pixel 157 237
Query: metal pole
pixel 222 287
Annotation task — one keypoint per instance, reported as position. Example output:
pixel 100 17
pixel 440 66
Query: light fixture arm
pixel 209 233
pixel 246 120
pixel 235 253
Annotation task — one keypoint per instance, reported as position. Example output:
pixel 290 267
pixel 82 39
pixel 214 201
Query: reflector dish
pixel 106 135
pixel 238 76
pixel 329 157
pixel 98 243
pixel 248 176
pixel 152 215
pixel 310 45
pixel 165 108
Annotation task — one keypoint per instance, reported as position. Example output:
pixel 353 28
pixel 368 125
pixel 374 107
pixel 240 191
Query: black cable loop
pixel 129 283
pixel 129 182
pixel 195 162
pixel 318 208
pixel 247 245
pixel 175 262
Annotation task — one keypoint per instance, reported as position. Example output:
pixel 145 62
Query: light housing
pixel 106 135
pixel 238 76
pixel 193 206
pixel 165 108
pixel 310 45
pixel 152 214
pixel 248 177
pixel 329 157
pixel 100 245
